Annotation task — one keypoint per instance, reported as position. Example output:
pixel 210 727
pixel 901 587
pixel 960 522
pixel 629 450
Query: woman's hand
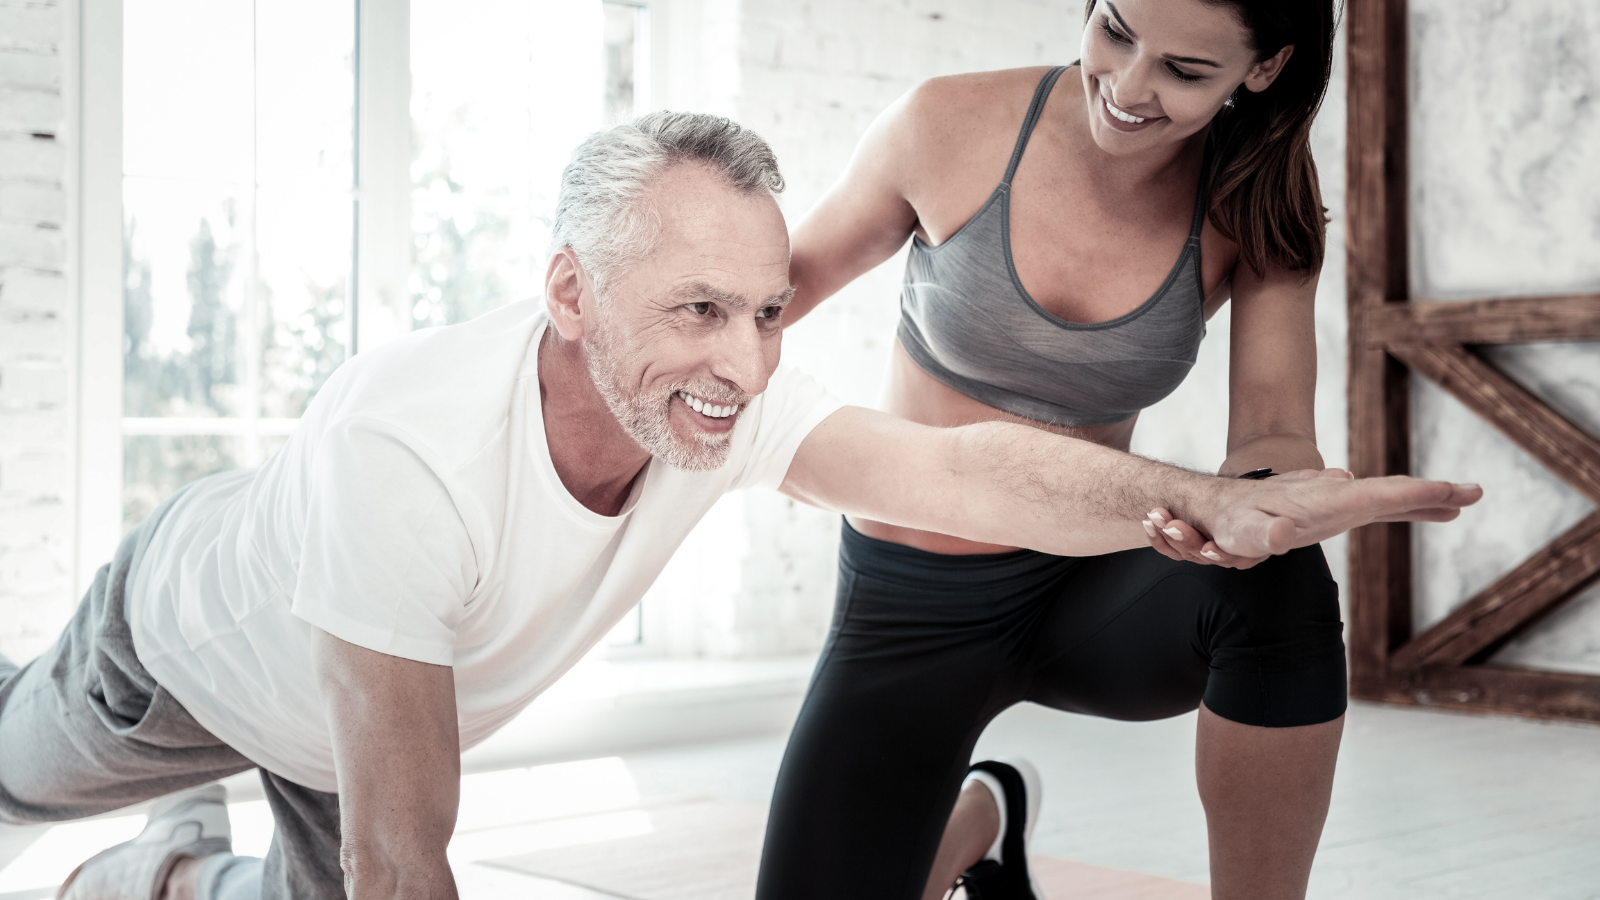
pixel 1176 539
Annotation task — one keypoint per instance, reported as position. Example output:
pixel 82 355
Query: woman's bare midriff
pixel 913 394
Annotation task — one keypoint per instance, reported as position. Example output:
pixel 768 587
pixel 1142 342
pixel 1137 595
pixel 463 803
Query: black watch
pixel 1258 474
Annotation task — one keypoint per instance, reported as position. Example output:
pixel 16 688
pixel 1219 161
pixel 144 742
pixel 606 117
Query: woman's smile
pixel 1122 120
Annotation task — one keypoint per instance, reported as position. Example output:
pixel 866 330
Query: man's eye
pixel 700 308
pixel 768 312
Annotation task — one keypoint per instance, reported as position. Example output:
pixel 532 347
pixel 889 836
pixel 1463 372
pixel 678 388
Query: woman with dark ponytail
pixel 1265 196
pixel 1046 208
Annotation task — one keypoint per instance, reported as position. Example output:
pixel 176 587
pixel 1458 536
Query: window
pixel 238 233
pixel 240 197
pixel 249 174
pixel 501 91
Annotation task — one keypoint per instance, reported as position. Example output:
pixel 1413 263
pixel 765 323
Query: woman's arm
pixel 862 220
pixel 1272 375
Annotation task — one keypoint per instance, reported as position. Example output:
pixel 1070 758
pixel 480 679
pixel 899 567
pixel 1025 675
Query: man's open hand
pixel 1257 519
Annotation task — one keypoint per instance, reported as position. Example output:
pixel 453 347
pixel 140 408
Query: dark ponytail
pixel 1264 191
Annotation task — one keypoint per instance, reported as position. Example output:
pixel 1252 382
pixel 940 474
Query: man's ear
pixel 563 293
pixel 1267 71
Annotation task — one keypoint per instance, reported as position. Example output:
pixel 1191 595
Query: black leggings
pixel 926 649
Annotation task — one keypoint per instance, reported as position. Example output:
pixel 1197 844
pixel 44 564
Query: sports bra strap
pixel 1202 194
pixel 1040 95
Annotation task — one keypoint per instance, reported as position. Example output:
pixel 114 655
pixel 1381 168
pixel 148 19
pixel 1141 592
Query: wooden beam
pixel 1574 317
pixel 1380 554
pixel 1376 200
pixel 1497 689
pixel 1557 444
pixel 1520 597
pixel 1376 194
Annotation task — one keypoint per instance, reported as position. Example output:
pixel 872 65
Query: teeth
pixel 1126 117
pixel 706 409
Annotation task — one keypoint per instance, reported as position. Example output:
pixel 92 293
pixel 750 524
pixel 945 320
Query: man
pixel 464 512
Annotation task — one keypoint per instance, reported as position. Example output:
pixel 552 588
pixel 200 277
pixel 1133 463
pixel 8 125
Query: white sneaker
pixel 189 823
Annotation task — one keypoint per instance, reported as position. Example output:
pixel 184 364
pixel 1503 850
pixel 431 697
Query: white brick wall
pixel 36 428
pixel 813 74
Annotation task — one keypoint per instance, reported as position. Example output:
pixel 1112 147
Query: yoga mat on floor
pixel 1062 879
pixel 696 850
pixel 709 850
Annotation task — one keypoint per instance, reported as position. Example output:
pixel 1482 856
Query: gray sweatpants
pixel 84 730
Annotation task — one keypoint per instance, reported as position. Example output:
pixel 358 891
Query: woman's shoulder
pixel 958 124
pixel 973 100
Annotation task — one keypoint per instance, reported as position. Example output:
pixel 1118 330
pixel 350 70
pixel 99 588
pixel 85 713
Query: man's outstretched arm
pixel 1010 484
pixel 396 753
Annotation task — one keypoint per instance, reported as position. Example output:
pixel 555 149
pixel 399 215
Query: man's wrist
pixel 1196 497
pixel 380 876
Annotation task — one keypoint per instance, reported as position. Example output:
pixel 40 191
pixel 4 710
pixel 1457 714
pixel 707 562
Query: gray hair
pixel 600 213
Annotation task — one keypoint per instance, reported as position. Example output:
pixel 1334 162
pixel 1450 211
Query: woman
pixel 1053 300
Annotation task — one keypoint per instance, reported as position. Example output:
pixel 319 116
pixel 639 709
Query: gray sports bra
pixel 966 319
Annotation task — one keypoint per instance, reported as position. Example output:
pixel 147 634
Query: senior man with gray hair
pixel 464 512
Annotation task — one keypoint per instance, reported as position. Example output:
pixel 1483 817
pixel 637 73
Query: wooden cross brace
pixel 1392 336
pixel 1420 667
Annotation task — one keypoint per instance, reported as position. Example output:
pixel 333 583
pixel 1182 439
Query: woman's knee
pixel 1261 646
pixel 1277 650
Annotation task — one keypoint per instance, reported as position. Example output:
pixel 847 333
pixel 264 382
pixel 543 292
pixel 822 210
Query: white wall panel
pixel 37 327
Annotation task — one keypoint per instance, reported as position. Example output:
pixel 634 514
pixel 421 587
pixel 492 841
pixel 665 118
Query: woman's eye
pixel 700 308
pixel 1183 76
pixel 1116 38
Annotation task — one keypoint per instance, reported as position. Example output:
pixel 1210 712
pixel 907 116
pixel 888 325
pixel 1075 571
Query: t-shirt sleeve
pixel 794 404
pixel 386 563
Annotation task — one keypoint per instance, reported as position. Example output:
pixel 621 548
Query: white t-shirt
pixel 416 512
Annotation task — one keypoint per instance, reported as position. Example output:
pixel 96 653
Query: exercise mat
pixel 703 849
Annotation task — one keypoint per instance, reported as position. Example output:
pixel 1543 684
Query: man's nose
pixel 742 357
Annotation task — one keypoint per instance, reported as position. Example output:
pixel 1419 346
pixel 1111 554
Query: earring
pixel 1233 99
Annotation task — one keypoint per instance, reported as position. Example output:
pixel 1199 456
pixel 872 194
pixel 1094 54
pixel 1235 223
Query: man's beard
pixel 646 417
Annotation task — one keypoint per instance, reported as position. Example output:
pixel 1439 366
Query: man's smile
pixel 708 418
pixel 706 408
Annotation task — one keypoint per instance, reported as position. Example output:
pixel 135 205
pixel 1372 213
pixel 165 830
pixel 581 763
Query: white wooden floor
pixel 1427 805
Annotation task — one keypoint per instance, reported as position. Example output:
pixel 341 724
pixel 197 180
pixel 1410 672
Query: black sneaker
pixel 1003 873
